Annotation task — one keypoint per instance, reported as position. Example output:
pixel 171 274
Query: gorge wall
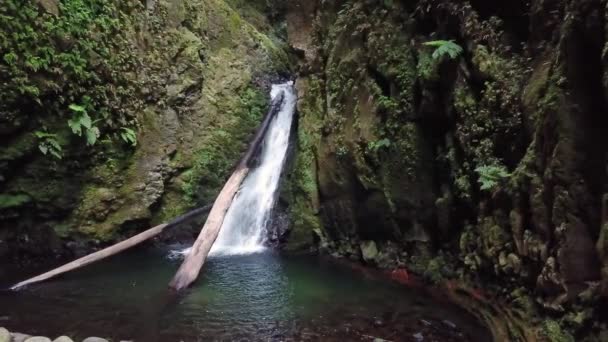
pixel 189 77
pixel 490 166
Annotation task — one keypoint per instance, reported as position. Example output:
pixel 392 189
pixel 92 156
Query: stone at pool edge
pixel 63 339
pixel 5 336
pixel 38 339
pixel 17 337
pixel 95 339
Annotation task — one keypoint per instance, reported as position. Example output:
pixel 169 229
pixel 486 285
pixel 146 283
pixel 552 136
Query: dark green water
pixel 260 297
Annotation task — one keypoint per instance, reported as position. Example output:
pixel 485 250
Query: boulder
pixel 63 339
pixel 95 339
pixel 5 336
pixel 38 339
pixel 16 337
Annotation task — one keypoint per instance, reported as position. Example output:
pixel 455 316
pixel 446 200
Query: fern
pixel 48 144
pixel 491 175
pixel 129 136
pixel 445 48
pixel 377 145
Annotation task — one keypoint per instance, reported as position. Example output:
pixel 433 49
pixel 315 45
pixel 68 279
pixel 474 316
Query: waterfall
pixel 244 227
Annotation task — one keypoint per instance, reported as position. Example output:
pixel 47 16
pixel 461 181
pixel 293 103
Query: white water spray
pixel 244 227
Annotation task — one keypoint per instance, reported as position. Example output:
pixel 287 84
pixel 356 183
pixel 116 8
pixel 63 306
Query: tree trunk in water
pixel 191 267
pixel 112 250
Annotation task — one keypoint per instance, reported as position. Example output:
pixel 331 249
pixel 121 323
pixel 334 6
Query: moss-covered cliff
pixel 489 165
pixel 189 76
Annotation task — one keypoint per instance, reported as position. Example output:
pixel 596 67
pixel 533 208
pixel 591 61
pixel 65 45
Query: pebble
pixel 38 339
pixel 63 339
pixel 95 339
pixel 5 336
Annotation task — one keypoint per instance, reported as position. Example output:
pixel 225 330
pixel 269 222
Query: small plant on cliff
pixel 81 124
pixel 380 144
pixel 491 175
pixel 128 135
pixel 445 48
pixel 48 144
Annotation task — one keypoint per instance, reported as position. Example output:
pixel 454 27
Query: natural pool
pixel 257 297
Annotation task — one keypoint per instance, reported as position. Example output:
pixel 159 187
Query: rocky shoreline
pixel 7 336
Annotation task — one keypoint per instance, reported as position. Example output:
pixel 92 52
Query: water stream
pixel 244 228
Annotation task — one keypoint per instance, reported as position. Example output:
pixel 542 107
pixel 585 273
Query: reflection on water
pixel 261 297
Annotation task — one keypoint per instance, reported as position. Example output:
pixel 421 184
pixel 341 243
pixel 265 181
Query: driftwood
pixel 190 268
pixel 112 250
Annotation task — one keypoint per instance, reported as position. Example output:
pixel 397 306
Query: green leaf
pixel 54 144
pixel 129 136
pixel 491 176
pixel 77 108
pixel 43 148
pixel 85 120
pixel 10 58
pixel 445 48
pixel 74 124
pixel 56 154
pixel 92 135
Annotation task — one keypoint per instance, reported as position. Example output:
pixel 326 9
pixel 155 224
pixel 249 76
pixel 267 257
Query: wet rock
pixel 17 337
pixel 38 339
pixel 63 339
pixel 369 251
pixel 5 336
pixel 95 339
pixel 378 339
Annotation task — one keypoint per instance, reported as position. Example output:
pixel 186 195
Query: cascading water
pixel 244 227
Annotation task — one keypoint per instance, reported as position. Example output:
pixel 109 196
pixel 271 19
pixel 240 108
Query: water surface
pixel 258 297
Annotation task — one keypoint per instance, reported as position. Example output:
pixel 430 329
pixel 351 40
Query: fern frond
pixel 445 47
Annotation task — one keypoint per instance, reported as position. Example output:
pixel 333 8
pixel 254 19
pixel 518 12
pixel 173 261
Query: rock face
pixel 490 165
pixel 191 76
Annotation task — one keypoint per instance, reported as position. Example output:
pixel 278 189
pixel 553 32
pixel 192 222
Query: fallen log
pixel 190 268
pixel 112 250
